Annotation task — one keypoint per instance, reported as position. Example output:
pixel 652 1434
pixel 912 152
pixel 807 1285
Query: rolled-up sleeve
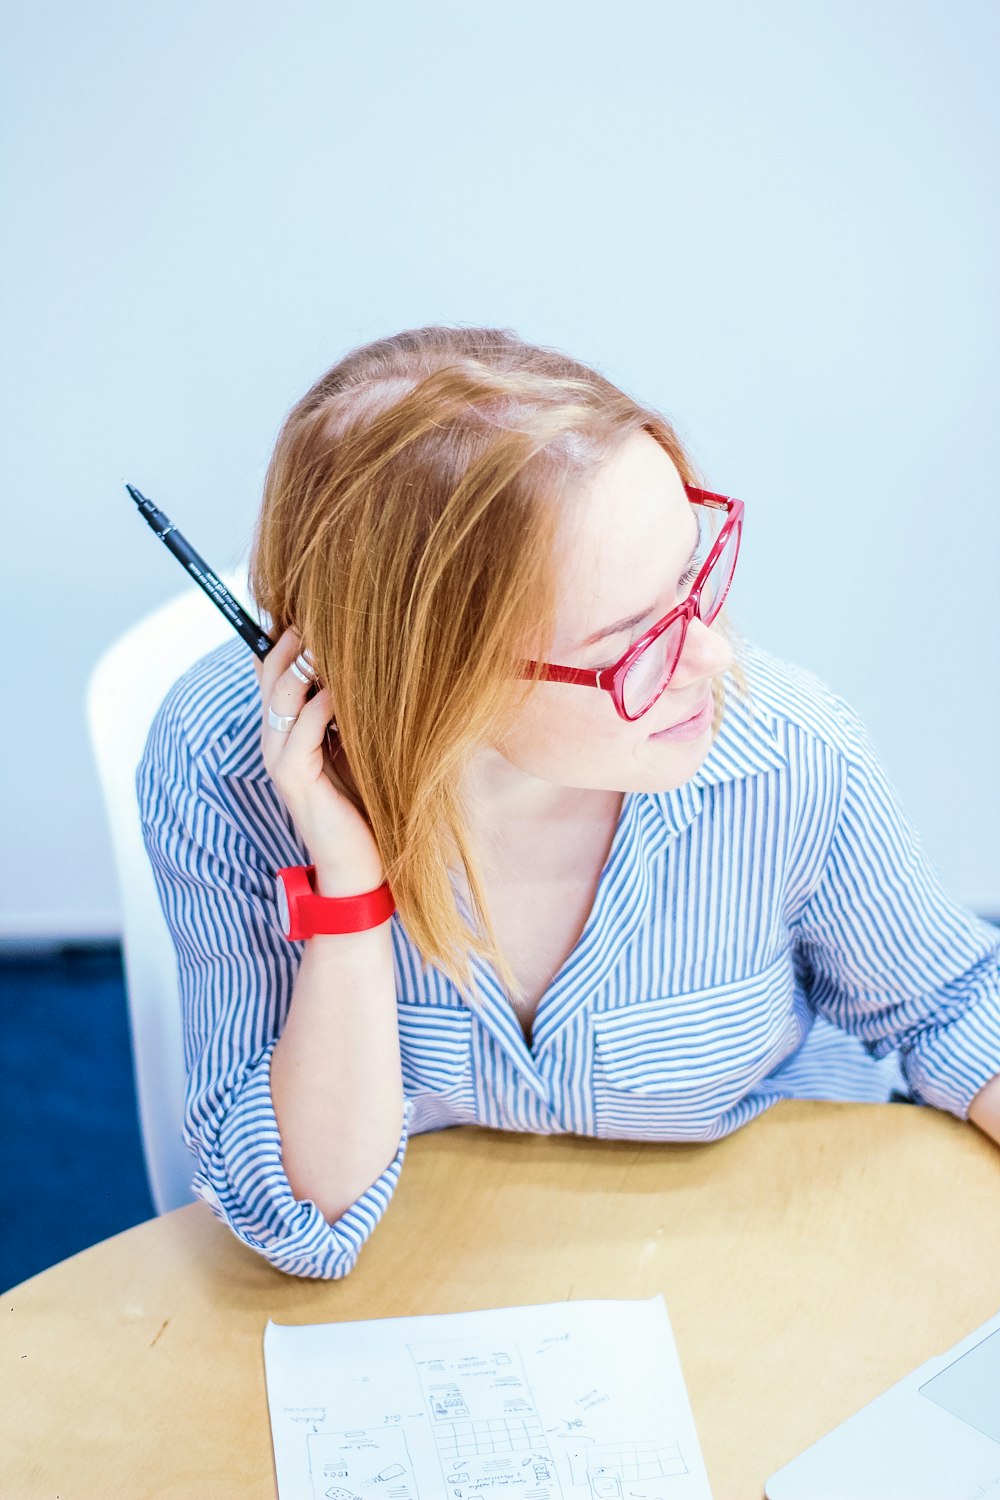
pixel 236 971
pixel 892 958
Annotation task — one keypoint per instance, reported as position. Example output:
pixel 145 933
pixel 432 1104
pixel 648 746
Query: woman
pixel 644 911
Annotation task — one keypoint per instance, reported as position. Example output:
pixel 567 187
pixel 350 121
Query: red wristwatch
pixel 304 914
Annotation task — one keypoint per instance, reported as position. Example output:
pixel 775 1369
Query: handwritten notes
pixel 562 1401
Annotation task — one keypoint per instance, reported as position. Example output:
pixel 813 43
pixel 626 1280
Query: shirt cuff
pixel 947 1065
pixel 244 1183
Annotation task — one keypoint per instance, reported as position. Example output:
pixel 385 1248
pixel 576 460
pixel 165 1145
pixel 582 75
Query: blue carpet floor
pixel 71 1165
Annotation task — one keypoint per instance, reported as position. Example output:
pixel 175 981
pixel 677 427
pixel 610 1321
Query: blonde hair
pixel 408 530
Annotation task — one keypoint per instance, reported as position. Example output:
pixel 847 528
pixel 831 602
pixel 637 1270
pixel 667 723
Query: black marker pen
pixel 202 574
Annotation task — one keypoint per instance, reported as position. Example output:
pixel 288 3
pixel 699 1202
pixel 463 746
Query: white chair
pixel 124 691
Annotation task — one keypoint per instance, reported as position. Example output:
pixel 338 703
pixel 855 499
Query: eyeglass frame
pixel 610 679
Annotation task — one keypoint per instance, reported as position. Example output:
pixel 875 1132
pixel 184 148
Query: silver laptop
pixel 933 1436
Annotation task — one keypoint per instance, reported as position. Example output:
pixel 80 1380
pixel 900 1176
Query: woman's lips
pixel 689 729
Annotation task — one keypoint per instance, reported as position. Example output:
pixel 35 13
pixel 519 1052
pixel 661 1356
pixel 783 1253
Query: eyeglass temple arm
pixel 708 497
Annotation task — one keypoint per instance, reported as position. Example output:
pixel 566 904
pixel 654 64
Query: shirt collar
pixel 747 744
pixel 748 740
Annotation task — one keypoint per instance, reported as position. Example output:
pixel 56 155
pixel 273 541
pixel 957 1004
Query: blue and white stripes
pixel 771 929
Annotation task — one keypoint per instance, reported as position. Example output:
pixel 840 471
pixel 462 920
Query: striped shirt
pixel 771 929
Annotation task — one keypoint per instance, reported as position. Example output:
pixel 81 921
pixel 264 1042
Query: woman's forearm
pixel 336 1075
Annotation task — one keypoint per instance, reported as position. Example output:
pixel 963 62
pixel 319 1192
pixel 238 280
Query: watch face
pixel 283 914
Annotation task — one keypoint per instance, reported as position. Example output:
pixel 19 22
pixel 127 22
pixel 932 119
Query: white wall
pixel 776 221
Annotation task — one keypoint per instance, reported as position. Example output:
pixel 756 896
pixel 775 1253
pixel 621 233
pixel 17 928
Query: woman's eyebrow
pixel 630 620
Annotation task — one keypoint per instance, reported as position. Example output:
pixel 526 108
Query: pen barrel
pixel 259 642
pixel 217 591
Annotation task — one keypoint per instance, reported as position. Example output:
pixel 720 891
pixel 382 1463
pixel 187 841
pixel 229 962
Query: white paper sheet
pixel 562 1401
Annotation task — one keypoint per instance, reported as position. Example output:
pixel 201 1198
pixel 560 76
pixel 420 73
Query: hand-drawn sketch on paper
pixel 613 1470
pixel 484 1424
pixel 359 1463
pixel 561 1401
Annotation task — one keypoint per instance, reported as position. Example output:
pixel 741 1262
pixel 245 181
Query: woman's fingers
pixel 333 828
pixel 289 691
pixel 307 734
pixel 274 666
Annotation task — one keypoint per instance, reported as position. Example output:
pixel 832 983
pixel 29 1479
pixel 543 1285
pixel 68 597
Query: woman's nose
pixel 706 653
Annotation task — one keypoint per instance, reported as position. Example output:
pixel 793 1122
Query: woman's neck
pixel 496 794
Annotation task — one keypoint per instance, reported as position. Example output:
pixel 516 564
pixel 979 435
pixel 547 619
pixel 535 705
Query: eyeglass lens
pixel 649 673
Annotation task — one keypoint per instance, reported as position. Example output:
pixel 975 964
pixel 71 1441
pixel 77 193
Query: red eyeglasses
pixel 638 678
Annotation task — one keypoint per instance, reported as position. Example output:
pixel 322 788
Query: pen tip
pixel 137 496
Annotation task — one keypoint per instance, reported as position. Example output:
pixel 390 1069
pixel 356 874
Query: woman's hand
pixel 336 833
pixel 984 1110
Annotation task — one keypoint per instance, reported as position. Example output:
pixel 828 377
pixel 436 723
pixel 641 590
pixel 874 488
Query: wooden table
pixel 807 1262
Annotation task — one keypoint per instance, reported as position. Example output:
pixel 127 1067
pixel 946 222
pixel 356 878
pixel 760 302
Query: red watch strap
pixel 312 915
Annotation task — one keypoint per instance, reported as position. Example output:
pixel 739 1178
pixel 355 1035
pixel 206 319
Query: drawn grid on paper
pixel 634 1460
pixel 484 1420
pixel 489 1436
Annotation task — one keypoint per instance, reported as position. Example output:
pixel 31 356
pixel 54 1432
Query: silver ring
pixel 302 667
pixel 283 722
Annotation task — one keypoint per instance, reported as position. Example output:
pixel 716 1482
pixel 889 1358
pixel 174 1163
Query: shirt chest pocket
pixel 669 1067
pixel 435 1047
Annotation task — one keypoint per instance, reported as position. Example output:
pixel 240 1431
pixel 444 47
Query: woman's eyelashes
pixel 684 583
